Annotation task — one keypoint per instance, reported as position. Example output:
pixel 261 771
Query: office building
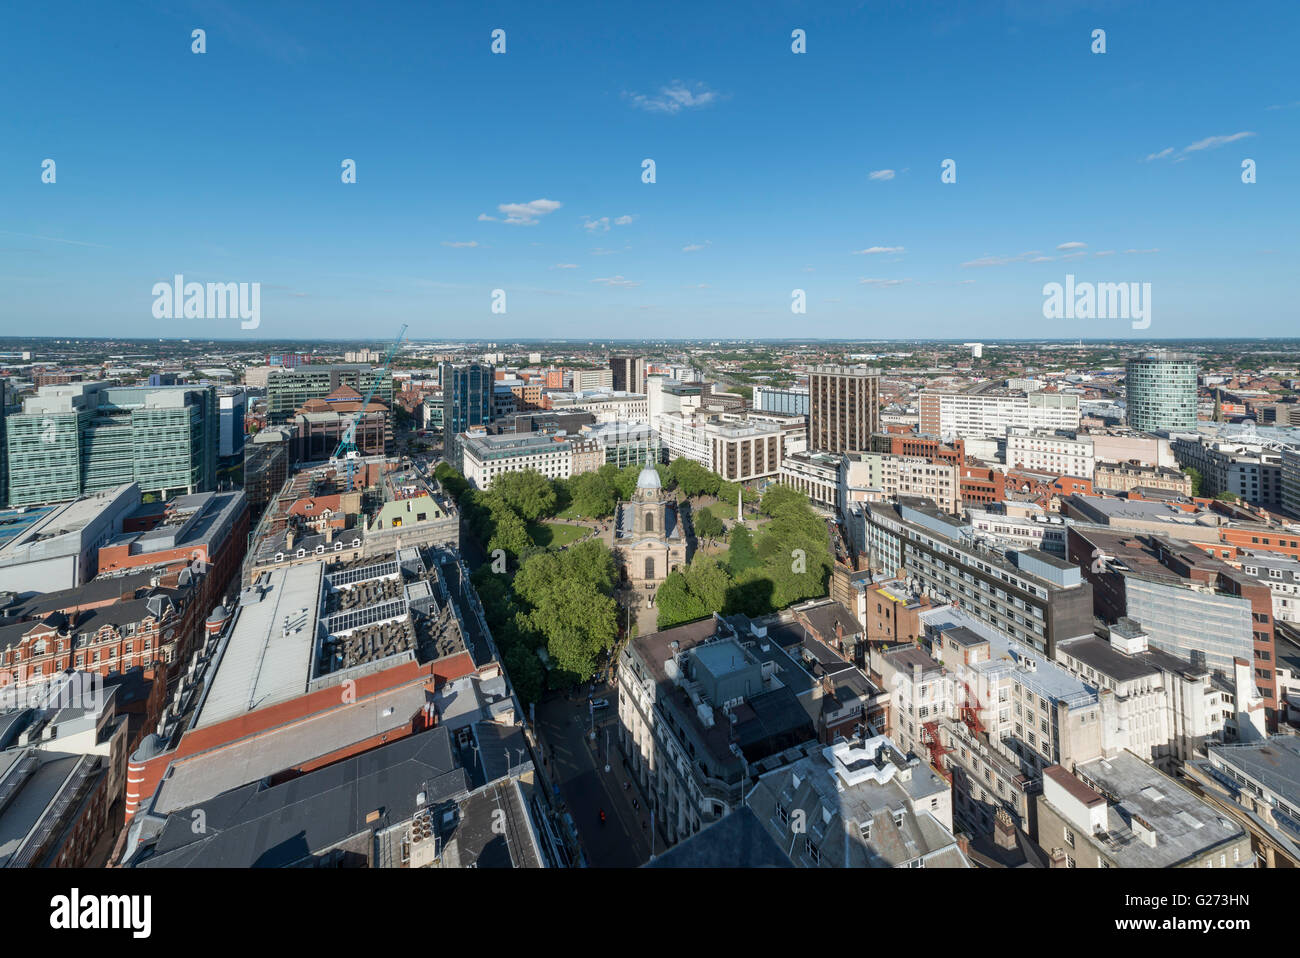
pixel 1120 812
pixel 289 389
pixel 789 399
pixel 699 706
pixel 1249 470
pixel 1058 452
pixel 844 408
pixel 988 410
pixel 82 438
pixel 1028 594
pixel 486 457
pixel 625 444
pixel 629 373
pixel 1161 392
pixel 1189 603
pixel 1258 785
pixel 57 547
pixel 233 402
pixel 858 804
pixel 736 449
pixel 467 395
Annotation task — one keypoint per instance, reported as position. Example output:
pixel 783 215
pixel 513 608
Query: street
pixel 586 788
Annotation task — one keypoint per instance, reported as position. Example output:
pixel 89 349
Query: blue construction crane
pixel 347 448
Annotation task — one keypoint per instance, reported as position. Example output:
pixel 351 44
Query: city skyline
pixel 522 171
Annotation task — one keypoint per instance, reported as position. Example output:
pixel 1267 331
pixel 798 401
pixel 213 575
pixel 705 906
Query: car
pixel 600 703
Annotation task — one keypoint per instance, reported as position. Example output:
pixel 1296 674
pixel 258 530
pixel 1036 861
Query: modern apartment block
pixel 629 373
pixel 287 390
pixel 1056 451
pixel 555 457
pixel 81 438
pixel 844 408
pixel 987 409
pixel 789 399
pixel 1161 391
pixel 1027 594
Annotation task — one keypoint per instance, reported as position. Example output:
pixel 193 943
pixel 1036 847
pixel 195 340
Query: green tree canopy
pixel 528 492
pixel 707 525
pixel 591 495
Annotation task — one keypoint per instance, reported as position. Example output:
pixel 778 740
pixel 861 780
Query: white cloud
pixel 1041 259
pixel 615 281
pixel 873 250
pixel 695 247
pixel 1209 143
pixel 522 214
pixel 565 266
pixel 1283 106
pixel 698 286
pixel 597 226
pixel 1073 244
pixel 1104 252
pixel 1153 250
pixel 674 98
pixel 882 283
pixel 1075 255
pixel 881 175
pixel 999 260
pixel 463 244
pixel 624 220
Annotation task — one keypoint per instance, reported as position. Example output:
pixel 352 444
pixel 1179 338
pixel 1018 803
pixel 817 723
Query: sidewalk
pixel 620 773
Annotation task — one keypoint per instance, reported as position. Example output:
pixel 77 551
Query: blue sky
pixel 225 167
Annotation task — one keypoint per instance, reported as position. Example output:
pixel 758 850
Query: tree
pixel 707 525
pixel 708 582
pixel 623 480
pixel 676 602
pixel 1226 496
pixel 591 495
pixel 528 492
pixel 451 480
pixel 742 556
pixel 693 479
pixel 1197 479
pixel 570 604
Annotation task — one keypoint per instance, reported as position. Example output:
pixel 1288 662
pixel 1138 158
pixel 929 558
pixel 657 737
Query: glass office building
pixel 1161 390
pixel 79 438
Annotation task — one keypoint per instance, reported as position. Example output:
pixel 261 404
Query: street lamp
pixel 606 748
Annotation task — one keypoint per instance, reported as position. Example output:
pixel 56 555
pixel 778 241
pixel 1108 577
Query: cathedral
pixel 647 536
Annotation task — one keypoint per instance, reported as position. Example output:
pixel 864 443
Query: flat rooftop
pixel 268 655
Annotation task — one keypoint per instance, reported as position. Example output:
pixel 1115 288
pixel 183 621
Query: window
pixel 1069 836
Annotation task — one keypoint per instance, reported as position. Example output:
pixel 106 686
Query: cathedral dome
pixel 649 479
